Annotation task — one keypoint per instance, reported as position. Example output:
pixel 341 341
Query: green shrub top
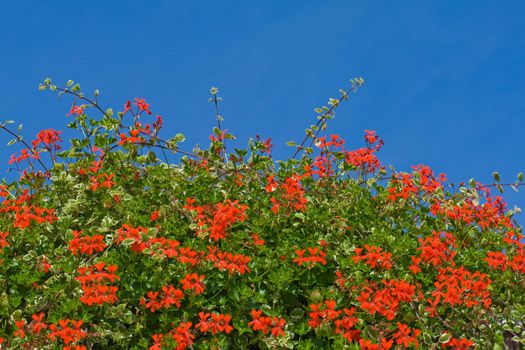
pixel 123 240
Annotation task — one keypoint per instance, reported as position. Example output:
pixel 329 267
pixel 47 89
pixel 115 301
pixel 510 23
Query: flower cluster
pixel 214 323
pixel 315 256
pixel 458 286
pixel 84 244
pixel 193 282
pixel 69 331
pixel 387 300
pixel 156 300
pixel 227 261
pixel 25 213
pixel 365 158
pixel 265 324
pixel 292 194
pixel 179 338
pixel 216 220
pixel 373 257
pixel 94 281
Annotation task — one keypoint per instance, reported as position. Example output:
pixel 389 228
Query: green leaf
pixel 128 241
pixel 16 315
pixel 445 338
pixel 297 313
pixel 427 338
pixel 179 137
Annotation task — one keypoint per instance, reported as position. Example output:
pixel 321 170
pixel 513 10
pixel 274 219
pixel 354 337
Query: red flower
pixel 323 313
pixel 316 255
pixel 403 337
pixel 227 261
pixel 66 333
pixel 267 144
pixel 370 136
pixel 374 257
pixel 457 286
pixel 170 296
pixel 217 323
pixel 496 260
pixel 272 185
pixel 458 344
pixel 438 248
pixel 24 154
pixel 142 105
pixel 157 342
pixel 37 324
pixel 257 241
pixel 76 110
pixel 154 216
pixel 86 244
pixel 188 256
pixel 20 325
pixel 215 220
pixel 3 241
pixel 49 137
pixel 46 266
pixel 193 281
pixel 386 301
pixel 346 324
pixel 133 138
pixel 95 284
pixel 183 336
pixel 267 324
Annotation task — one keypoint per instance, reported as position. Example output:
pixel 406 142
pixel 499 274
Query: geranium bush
pixel 123 240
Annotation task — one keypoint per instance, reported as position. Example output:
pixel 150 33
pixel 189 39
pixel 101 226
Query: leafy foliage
pixel 125 241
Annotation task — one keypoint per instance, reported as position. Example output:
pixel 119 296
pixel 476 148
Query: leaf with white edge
pixel 445 338
pixel 128 241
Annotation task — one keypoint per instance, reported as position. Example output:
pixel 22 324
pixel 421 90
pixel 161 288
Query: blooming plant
pixel 126 241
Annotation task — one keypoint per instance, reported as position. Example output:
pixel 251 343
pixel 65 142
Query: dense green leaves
pixel 143 242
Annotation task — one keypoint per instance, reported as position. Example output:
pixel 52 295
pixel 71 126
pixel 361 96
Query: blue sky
pixel 444 79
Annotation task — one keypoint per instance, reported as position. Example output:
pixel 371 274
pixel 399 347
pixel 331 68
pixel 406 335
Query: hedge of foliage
pixel 123 240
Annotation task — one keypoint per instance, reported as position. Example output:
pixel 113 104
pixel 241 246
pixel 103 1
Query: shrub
pixel 124 240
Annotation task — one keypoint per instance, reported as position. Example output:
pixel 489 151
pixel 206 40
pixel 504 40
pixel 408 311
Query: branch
pixel 20 139
pixel 323 117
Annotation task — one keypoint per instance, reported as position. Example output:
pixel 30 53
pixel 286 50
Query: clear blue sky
pixel 445 82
